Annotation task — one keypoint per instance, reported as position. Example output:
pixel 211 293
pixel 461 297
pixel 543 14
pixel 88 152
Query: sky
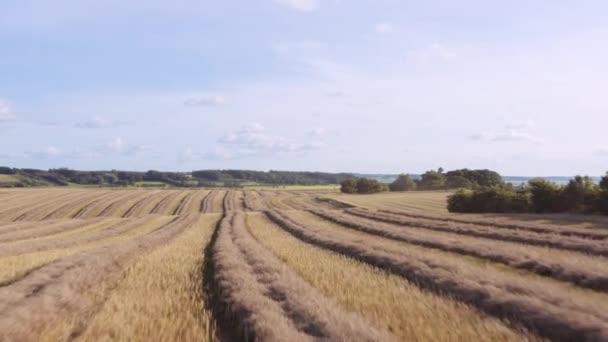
pixel 383 86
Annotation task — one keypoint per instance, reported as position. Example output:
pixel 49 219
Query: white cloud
pixel 317 132
pixel 383 28
pixel 48 152
pixel 95 122
pixel 52 151
pixel 186 156
pixel 521 125
pixel 513 132
pixel 433 53
pixel 253 140
pixel 205 100
pixel 6 113
pixel 99 122
pixel 602 152
pixel 336 93
pixel 301 5
pixel 119 146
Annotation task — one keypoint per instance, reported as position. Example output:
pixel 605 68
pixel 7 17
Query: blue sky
pixel 379 86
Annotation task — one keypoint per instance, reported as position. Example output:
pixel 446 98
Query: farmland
pixel 292 264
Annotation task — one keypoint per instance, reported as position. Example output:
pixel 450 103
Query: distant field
pixel 330 187
pixel 9 179
pixel 292 264
pixel 414 200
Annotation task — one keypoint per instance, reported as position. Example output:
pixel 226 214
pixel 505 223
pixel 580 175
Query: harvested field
pixel 209 265
pixel 552 239
pixel 213 202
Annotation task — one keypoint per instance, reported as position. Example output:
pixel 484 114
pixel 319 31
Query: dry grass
pixel 213 203
pixel 159 298
pixel 267 301
pixel 47 200
pixel 43 296
pixel 552 309
pixel 580 269
pixel 571 243
pixel 34 230
pixel 500 223
pixel 106 207
pixel 94 264
pixel 408 312
pixel 426 201
pixel 14 267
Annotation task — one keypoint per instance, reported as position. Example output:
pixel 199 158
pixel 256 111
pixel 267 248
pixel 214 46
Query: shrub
pixel 545 196
pixel 490 200
pixel 361 186
pixel 580 195
pixel 369 186
pixel 6 171
pixel 458 182
pixel 432 180
pixel 403 183
pixel 349 186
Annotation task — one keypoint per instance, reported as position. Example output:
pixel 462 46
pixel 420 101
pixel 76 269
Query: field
pixel 292 264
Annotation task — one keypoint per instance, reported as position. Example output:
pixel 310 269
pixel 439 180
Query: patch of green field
pixel 9 179
pixel 328 187
pixel 151 183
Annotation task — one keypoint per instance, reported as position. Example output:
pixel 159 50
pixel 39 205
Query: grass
pixel 538 303
pixel 151 183
pixel 431 201
pixel 328 187
pixel 9 179
pixel 581 269
pixel 16 265
pixel 419 280
pixel 388 300
pixel 158 298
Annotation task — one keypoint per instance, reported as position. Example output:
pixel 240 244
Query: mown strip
pixel 57 288
pixel 268 301
pixel 541 309
pixel 387 300
pixel 569 243
pixel 158 298
pixel 535 228
pixel 15 266
pixel 543 264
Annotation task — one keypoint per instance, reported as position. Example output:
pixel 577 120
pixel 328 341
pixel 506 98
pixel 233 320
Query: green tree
pixel 604 183
pixel 349 186
pixel 458 182
pixel 580 195
pixel 545 196
pixel 602 201
pixel 369 186
pixel 403 183
pixel 432 180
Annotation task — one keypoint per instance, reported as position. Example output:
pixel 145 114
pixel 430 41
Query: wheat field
pixel 292 265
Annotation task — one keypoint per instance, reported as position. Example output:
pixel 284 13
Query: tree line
pixel 580 195
pixel 430 180
pixel 202 178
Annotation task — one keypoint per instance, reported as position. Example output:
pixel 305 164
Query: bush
pixel 361 186
pixel 458 182
pixel 403 183
pixel 6 171
pixel 545 196
pixel 432 180
pixel 490 200
pixel 580 195
pixel 369 186
pixel 465 178
pixel 349 186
